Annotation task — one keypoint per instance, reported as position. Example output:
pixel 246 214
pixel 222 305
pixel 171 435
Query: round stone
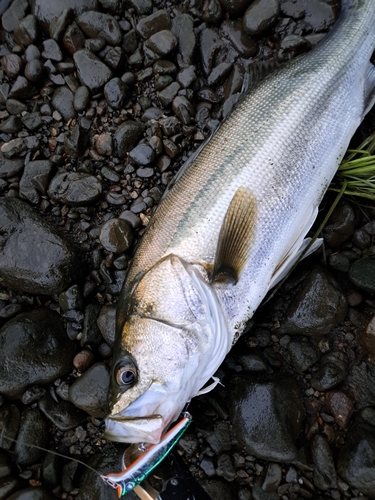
pixel 260 16
pixel 116 236
pixel 75 188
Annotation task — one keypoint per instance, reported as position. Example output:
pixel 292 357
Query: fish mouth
pixel 147 429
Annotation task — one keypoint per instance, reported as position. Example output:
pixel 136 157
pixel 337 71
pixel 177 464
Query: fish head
pixel 166 352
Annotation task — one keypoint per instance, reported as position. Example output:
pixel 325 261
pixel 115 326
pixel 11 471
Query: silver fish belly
pixel 242 207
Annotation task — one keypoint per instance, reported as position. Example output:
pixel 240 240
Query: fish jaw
pixel 134 430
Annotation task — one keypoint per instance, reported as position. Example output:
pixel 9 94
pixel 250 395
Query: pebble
pixel 22 89
pixel 71 299
pixel 362 274
pixel 75 141
pixel 32 493
pixel 126 136
pixel 115 92
pixel 12 65
pixel 317 317
pixel 34 431
pixel 267 418
pixel 245 45
pixel 74 41
pixel 324 468
pixel 162 43
pixel 11 125
pixel 107 323
pixel 183 29
pixel 63 415
pixel 81 98
pixel 116 236
pixel 148 26
pixel 340 225
pixel 35 180
pixel 100 25
pixel 51 50
pixel 53 264
pixel 332 371
pixel 10 167
pixel 62 101
pixel 27 31
pixel 260 16
pixel 142 155
pixel 75 188
pixel 48 10
pixel 340 406
pixel 92 72
pixel 89 392
pixel 303 354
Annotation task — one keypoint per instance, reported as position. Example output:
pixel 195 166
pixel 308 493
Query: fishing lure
pixel 150 458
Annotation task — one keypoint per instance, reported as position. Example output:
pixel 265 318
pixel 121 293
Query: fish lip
pixel 146 429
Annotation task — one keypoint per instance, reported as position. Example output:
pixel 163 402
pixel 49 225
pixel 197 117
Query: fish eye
pixel 126 374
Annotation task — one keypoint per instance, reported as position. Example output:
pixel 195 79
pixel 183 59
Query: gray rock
pixel 50 267
pixel 32 52
pixel 162 43
pixel 100 25
pixel 89 392
pixel 225 467
pixel 11 125
pixel 103 145
pixel 158 21
pixel 115 92
pixel 34 431
pixel 131 218
pixel 324 467
pixel 91 335
pixel 303 354
pixel 33 343
pixel 355 459
pixel 26 33
pixel 62 101
pixel 76 141
pixel 32 493
pixel 260 16
pixel 22 89
pixel 115 59
pixel 71 299
pixel 75 188
pixel 331 372
pixel 34 70
pixel 92 72
pixel 13 147
pixel 141 6
pixel 183 28
pixel 74 41
pixel 291 46
pixel 235 7
pixel 116 236
pixel 81 98
pixel 10 167
pixel 32 121
pixel 63 415
pixel 126 137
pixel 318 316
pixel 362 384
pixel 15 107
pixel 14 14
pixel 167 95
pixel 59 24
pixel 35 179
pixel 142 154
pixel 340 225
pixel 107 324
pixel 340 406
pixel 267 418
pixel 245 45
pixel 252 363
pixel 12 65
pixel 362 274
pixel 47 11
pixel 51 50
pixel 9 425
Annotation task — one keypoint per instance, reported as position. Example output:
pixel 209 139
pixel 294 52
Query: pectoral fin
pixel 236 236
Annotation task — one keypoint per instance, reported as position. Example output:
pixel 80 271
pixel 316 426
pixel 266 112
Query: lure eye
pixel 126 374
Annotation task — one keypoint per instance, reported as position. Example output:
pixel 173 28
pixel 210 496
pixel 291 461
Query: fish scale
pixel 279 150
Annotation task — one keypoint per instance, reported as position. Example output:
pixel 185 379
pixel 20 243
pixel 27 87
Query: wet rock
pixel 35 178
pixel 260 16
pixel 291 46
pixel 245 45
pixel 13 147
pixel 315 317
pixel 362 274
pixel 367 340
pixel 183 28
pixel 115 92
pixel 142 154
pixel 91 485
pixel 212 11
pixel 103 145
pixel 107 324
pixel 51 50
pixel 340 406
pixel 167 95
pixel 34 70
pixel 235 7
pixel 11 125
pixel 153 23
pixel 208 467
pixel 267 418
pixel 302 353
pixel 4 92
pixel 210 43
pixel 89 392
pixel 91 71
pixel 58 25
pixel 52 265
pixel 83 360
pixel 186 76
pixel 331 372
pixel 12 65
pixel 126 137
pixel 272 478
pixel 34 431
pixel 162 43
pixel 91 335
pixel 76 141
pixel 252 363
pixel 15 107
pixel 219 437
pixel 131 218
pixel 340 225
pixel 116 236
pixel 14 14
pixel 26 33
pixel 9 425
pixel 362 384
pixel 324 468
pixel 22 89
pixel 219 490
pixel 81 98
pixel 35 350
pixel 75 188
pixel 141 6
pixel 225 467
pixel 319 15
pixel 100 25
pixel 62 101
pixel 32 493
pixel 74 40
pixel 355 460
pixel 47 11
pixel 62 414
pixel 71 299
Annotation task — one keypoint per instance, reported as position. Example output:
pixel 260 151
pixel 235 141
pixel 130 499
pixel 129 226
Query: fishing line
pixel 4 438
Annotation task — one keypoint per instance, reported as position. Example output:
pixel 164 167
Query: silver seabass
pixel 233 224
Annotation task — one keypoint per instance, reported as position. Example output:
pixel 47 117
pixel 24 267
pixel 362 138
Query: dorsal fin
pixel 236 236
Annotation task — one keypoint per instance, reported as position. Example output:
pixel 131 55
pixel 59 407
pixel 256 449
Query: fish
pixel 233 225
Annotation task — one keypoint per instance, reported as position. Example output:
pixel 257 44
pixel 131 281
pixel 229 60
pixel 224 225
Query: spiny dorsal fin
pixel 236 236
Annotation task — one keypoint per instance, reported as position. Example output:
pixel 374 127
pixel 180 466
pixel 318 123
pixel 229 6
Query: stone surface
pixel 126 137
pixel 34 350
pixel 260 16
pixel 33 430
pixel 75 188
pixel 116 235
pixel 92 72
pixel 62 101
pixel 267 418
pixel 47 11
pixel 100 25
pixel 53 263
pixel 89 392
pixel 331 372
pixel 324 467
pixel 362 274
pixel 107 324
pixel 318 307
pixel 35 180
